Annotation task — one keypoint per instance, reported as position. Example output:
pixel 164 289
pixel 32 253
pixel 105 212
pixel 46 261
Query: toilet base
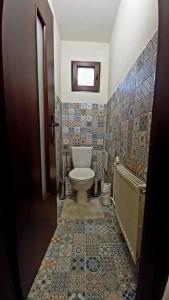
pixel 82 198
pixel 81 187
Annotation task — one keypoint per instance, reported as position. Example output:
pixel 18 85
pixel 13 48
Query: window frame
pixel 85 64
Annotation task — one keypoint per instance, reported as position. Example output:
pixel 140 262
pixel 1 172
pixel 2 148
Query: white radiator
pixel 129 194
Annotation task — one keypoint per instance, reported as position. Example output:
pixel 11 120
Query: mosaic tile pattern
pixel 129 113
pixel 58 139
pixel 84 125
pixel 80 264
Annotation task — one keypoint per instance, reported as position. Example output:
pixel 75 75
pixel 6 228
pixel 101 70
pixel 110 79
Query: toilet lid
pixel 82 174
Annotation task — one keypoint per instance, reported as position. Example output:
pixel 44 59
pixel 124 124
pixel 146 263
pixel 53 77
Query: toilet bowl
pixel 82 176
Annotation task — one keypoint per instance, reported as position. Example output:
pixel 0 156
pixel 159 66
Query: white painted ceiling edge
pixel 86 20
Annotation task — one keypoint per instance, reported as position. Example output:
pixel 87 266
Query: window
pixel 85 76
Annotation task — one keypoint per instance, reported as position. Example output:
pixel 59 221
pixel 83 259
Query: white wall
pixel 135 24
pixel 57 54
pixel 83 51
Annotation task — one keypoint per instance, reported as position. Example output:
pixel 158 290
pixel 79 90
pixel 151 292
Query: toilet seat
pixel 78 174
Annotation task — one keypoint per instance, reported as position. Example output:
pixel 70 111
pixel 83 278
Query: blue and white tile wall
pixel 84 125
pixel 129 113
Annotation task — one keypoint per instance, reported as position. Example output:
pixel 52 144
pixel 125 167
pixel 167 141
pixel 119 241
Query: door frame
pixel 38 14
pixel 43 11
pixel 154 265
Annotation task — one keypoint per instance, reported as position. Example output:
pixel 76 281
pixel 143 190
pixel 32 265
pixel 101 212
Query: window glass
pixel 85 76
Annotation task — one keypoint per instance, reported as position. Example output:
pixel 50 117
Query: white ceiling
pixel 85 20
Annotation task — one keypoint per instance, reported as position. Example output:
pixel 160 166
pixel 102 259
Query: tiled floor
pixel 86 259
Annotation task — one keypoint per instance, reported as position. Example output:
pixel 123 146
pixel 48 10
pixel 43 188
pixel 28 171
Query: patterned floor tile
pixel 91 239
pixel 69 228
pixel 101 229
pixel 94 296
pixel 76 296
pixel 107 265
pixel 111 296
pixel 77 282
pixel 58 296
pixel 79 238
pixel 113 228
pixel 78 250
pixel 92 250
pixel 56 239
pixel 90 229
pixel 78 264
pixel 116 237
pixel 86 259
pixel 110 281
pixel 105 250
pixel 129 295
pixel 53 251
pixel 93 264
pixel 48 265
pixel 79 227
pixel 103 238
pixel 63 265
pixel 67 239
pixel 94 282
pixel 119 249
pixel 60 282
pixel 38 294
pixel 100 222
pixel 65 250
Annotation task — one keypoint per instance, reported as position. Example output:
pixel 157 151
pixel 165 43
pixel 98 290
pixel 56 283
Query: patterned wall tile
pixel 128 116
pixel 84 125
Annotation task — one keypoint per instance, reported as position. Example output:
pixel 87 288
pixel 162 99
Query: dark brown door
pixel 30 221
pixel 22 94
pixel 154 265
pixel 45 19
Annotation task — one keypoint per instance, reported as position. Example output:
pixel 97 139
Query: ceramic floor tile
pixel 94 282
pixel 76 296
pixel 79 238
pixel 63 265
pixel 77 282
pixel 92 250
pixel 65 250
pixel 105 250
pixel 91 239
pixel 58 296
pixel 93 264
pixel 78 264
pixel 107 265
pixel 60 282
pixel 67 238
pixel 86 259
pixel 94 296
pixel 78 250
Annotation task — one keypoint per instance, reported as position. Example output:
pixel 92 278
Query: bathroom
pixel 81 232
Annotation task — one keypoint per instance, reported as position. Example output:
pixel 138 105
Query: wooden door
pixel 43 12
pixel 29 220
pixel 20 62
pixel 154 265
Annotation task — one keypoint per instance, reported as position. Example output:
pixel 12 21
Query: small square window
pixel 85 76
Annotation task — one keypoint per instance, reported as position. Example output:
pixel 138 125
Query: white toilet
pixel 82 176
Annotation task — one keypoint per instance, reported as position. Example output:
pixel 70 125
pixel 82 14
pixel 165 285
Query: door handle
pixel 53 125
